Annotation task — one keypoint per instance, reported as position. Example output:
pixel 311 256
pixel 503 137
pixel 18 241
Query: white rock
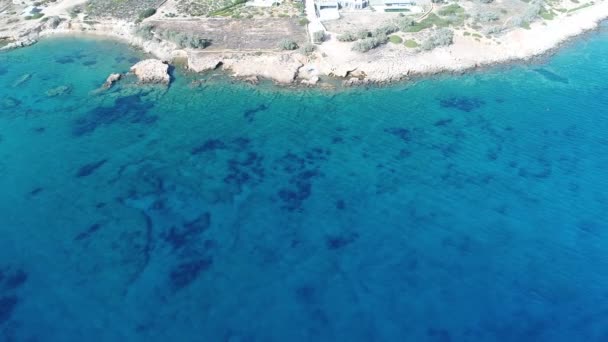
pixel 113 78
pixel 152 71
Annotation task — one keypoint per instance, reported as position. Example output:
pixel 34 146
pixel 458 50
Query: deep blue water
pixel 457 208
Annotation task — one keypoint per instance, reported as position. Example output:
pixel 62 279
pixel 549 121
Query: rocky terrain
pixel 448 37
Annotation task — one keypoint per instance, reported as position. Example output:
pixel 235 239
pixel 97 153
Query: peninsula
pixel 292 41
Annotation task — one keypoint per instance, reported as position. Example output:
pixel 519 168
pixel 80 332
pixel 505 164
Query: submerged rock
pixel 22 79
pixel 58 91
pixel 113 78
pixel 9 103
pixel 252 80
pixel 152 71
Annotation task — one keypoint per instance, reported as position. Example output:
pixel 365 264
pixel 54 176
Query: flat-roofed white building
pixel 411 6
pixel 263 3
pixel 353 4
pixel 328 10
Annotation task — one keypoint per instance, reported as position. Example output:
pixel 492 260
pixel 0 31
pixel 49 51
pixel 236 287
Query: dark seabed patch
pixel 12 279
pixel 338 241
pixel 551 76
pixel 89 63
pixel 131 108
pixel 208 146
pixel 7 306
pixel 88 169
pixel 462 103
pixel 88 232
pixel 187 272
pixel 249 114
pixel 402 133
pixel 65 60
pixel 180 235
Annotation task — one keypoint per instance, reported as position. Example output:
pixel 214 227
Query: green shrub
pixel 318 37
pixel 34 16
pixel 362 34
pixel 145 31
pixel 441 37
pixel 184 40
pixel 395 39
pixel 367 44
pixel 303 21
pixel 181 39
pixel 385 30
pixel 487 16
pixel 410 43
pixel 453 9
pixel 147 13
pixel 288 44
pixel 308 48
pixel 347 37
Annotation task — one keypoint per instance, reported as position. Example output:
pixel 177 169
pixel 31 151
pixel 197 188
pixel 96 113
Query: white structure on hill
pixel 263 3
pixel 353 4
pixel 410 6
pixel 328 10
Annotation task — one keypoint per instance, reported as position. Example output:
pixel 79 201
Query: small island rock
pixel 113 78
pixel 152 71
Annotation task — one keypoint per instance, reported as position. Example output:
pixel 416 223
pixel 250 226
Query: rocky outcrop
pixel 23 42
pixel 311 81
pixel 152 71
pixel 281 68
pixel 199 62
pixel 113 78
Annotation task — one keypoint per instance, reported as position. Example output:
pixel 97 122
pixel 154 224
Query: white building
pixel 263 3
pixel 410 6
pixel 353 4
pixel 328 10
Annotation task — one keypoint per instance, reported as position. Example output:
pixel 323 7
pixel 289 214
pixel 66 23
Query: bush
pixel 147 13
pixel 308 48
pixel 347 37
pixel 410 43
pixel 395 39
pixel 441 37
pixel 181 39
pixel 486 1
pixel 184 40
pixel 34 16
pixel 367 44
pixel 362 34
pixel 404 24
pixel 529 15
pixel 145 31
pixel 304 21
pixel 487 16
pixel 385 30
pixel 288 44
pixel 318 37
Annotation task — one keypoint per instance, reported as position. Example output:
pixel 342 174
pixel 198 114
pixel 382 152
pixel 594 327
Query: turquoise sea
pixel 454 208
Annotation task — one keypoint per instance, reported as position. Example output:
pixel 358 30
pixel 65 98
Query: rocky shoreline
pixel 377 67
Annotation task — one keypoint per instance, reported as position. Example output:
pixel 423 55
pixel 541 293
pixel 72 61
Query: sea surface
pixel 454 208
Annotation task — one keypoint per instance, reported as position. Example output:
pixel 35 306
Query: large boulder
pixel 152 71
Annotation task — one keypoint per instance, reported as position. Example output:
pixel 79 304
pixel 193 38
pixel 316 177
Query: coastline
pixel 334 60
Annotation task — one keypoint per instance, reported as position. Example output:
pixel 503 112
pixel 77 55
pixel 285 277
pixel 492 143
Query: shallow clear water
pixel 458 208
